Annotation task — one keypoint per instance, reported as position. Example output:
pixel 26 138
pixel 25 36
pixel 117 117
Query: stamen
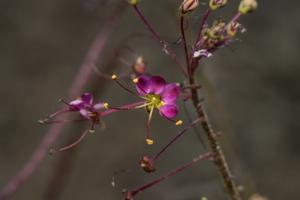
pixel 106 105
pixel 47 121
pixel 115 78
pixel 135 80
pixel 179 123
pixel 149 141
pixel 70 146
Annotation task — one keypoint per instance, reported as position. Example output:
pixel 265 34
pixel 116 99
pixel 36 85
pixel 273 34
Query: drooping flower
pixel 86 107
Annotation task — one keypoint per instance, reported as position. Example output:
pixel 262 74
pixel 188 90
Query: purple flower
pixel 86 107
pixel 159 94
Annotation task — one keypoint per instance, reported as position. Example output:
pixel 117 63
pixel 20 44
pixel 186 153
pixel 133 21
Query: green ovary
pixel 154 101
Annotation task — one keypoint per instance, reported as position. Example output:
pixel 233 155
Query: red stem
pixel 132 193
pixel 175 139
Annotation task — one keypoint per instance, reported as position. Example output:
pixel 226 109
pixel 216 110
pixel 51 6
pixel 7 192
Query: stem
pixel 220 159
pixel 184 43
pixel 132 193
pixel 83 75
pixel 203 22
pixel 175 139
pixel 164 47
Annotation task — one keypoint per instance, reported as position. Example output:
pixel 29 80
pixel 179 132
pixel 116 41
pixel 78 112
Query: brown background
pixel 251 90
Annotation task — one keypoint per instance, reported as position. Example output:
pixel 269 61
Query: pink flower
pixel 159 94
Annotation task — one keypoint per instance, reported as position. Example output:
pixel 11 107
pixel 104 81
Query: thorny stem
pixel 132 193
pixel 175 139
pixel 55 130
pixel 220 159
pixel 163 44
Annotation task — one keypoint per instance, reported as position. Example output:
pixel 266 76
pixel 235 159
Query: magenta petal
pixel 143 85
pixel 84 113
pixel 157 84
pixel 76 104
pixel 98 106
pixel 87 98
pixel 169 110
pixel 171 93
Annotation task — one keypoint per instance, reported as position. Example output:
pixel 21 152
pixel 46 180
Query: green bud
pixel 215 4
pixel 188 6
pixel 247 6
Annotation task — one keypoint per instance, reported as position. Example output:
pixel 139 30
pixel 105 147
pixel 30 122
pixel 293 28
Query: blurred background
pixel 250 89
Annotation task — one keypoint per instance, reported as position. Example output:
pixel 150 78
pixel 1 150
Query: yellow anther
pixel 106 105
pixel 135 80
pixel 179 122
pixel 149 141
pixel 133 2
pixel 114 77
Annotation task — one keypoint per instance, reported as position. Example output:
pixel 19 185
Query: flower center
pixel 154 100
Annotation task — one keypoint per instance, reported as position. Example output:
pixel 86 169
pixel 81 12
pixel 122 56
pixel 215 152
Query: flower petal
pixel 169 110
pixel 76 104
pixel 157 84
pixel 84 113
pixel 170 93
pixel 98 106
pixel 143 84
pixel 87 98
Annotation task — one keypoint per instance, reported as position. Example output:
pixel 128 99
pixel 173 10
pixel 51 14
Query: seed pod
pixel 188 6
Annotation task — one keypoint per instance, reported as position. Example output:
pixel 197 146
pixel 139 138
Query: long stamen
pixel 181 133
pixel 149 139
pixel 58 113
pixel 46 121
pixel 83 135
pixel 132 193
pixel 115 78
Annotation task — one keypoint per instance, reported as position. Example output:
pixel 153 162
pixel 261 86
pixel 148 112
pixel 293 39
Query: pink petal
pixel 169 110
pixel 143 84
pixel 170 93
pixel 87 98
pixel 76 104
pixel 84 113
pixel 157 84
pixel 98 106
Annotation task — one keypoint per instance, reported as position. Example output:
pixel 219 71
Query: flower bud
pixel 215 4
pixel 233 28
pixel 139 66
pixel 188 6
pixel 247 6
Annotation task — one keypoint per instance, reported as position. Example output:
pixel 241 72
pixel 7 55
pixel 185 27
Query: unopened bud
pixel 139 65
pixel 188 6
pixel 247 6
pixel 215 4
pixel 233 28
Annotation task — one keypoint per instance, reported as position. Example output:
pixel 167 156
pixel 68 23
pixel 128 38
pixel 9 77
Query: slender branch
pixel 163 44
pixel 175 139
pixel 55 130
pixel 184 43
pixel 202 24
pixel 132 193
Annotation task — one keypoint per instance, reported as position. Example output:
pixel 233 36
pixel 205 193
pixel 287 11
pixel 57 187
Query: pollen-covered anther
pixel 178 122
pixel 149 141
pixel 133 2
pixel 106 105
pixel 135 80
pixel 114 77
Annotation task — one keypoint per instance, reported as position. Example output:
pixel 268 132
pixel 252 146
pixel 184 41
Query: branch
pixel 80 81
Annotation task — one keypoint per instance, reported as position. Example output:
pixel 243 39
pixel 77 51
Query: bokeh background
pixel 250 89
